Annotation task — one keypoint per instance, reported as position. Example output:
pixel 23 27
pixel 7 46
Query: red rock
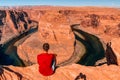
pixel 115 46
pixel 70 72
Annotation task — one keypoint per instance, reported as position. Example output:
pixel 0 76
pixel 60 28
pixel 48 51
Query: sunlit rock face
pixel 70 72
pixel 13 23
pixel 115 46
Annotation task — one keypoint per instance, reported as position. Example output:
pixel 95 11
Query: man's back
pixel 46 62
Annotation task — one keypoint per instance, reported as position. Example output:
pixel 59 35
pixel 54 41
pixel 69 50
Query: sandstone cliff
pixel 71 72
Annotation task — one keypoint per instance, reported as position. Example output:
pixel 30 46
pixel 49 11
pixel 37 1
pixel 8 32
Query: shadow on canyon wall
pixel 94 48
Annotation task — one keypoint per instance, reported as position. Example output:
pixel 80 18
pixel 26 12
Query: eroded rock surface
pixel 71 72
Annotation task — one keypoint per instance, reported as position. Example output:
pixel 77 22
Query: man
pixel 46 61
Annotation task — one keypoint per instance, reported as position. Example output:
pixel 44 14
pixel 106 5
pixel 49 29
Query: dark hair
pixel 46 46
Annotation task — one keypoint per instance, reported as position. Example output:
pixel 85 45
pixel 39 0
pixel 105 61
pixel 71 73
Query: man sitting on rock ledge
pixel 46 61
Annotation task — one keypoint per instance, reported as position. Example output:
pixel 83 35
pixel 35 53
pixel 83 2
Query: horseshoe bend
pixel 85 40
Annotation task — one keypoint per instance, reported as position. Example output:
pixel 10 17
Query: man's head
pixel 46 47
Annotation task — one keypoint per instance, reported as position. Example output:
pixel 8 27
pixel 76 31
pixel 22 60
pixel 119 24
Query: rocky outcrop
pixel 71 72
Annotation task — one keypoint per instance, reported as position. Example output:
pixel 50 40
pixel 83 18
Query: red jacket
pixel 46 62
